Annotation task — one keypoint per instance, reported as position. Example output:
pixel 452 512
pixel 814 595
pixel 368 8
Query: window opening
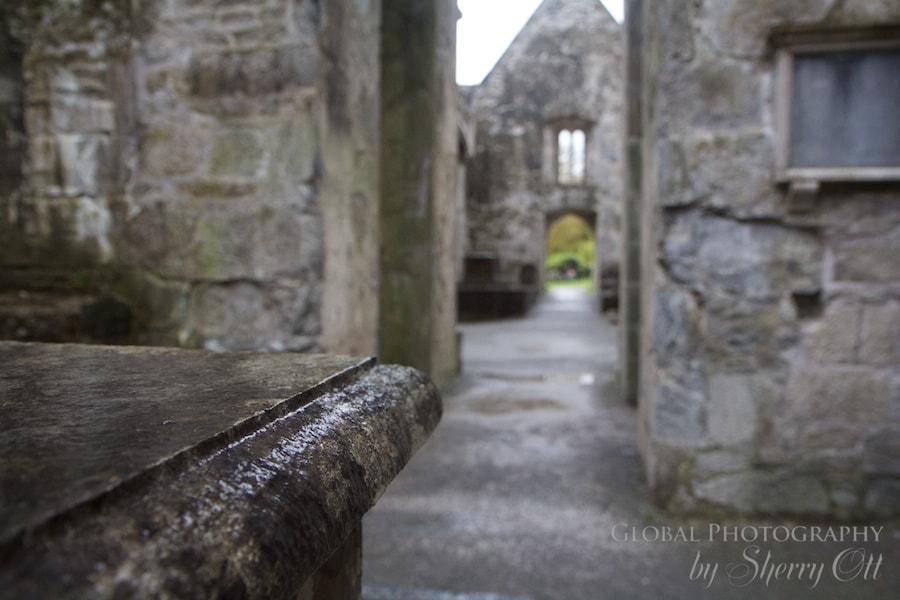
pixel 571 156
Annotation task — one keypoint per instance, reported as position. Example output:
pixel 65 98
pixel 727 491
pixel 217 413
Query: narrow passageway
pixel 532 488
pixel 535 460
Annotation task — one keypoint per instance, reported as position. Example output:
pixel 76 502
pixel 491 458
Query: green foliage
pixel 570 243
pixel 567 234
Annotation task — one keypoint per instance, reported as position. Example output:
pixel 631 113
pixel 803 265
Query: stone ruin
pixel 285 175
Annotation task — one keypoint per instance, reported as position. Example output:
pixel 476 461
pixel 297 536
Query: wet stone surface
pixel 148 471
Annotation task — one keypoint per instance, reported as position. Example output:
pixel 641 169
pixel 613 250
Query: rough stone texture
pixel 769 339
pixel 217 166
pixel 159 472
pixel 563 70
pixel 349 195
pixel 178 144
pixel 419 164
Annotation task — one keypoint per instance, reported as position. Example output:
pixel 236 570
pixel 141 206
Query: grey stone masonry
pixel 769 380
pixel 140 472
pixel 562 72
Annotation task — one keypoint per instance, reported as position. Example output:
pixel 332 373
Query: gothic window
pixel 570 154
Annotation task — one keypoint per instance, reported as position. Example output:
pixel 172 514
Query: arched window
pixel 570 154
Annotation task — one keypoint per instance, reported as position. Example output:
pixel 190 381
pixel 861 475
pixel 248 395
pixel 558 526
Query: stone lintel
pixel 151 472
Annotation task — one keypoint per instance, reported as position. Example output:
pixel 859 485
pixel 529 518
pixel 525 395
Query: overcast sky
pixel 486 29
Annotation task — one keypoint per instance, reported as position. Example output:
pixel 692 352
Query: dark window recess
pixel 845 109
pixel 808 304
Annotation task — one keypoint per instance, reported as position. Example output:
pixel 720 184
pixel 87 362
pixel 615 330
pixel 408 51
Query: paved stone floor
pixel 531 488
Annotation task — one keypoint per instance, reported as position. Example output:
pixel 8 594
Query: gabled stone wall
pixel 563 69
pixel 769 334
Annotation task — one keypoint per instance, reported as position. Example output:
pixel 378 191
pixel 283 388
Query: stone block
pixel 723 94
pixel 276 316
pixel 883 499
pixel 237 153
pixel 220 74
pixel 757 261
pixel 770 493
pixel 93 224
pixel 717 462
pixel 739 28
pixel 836 337
pixel 80 114
pixel 84 163
pixel 880 336
pixel 731 410
pixel 173 149
pixel 868 259
pixel 42 160
pixel 676 326
pixel 732 172
pixel 881 449
pixel 869 11
pixel 852 396
pixel 291 241
pixel 294 158
pixel 680 409
pixel 745 335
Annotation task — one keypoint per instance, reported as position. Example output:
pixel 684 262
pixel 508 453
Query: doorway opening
pixel 570 252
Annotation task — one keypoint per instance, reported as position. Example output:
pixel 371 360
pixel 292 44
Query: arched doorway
pixel 570 250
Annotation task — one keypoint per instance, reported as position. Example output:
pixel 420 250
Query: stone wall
pixel 419 162
pixel 562 70
pixel 179 147
pixel 770 348
pixel 207 174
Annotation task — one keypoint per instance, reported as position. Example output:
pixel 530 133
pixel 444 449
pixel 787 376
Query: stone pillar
pixel 349 125
pixel 418 186
pixel 630 276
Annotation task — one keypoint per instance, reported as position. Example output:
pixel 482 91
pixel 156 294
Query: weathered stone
pixel 766 493
pixel 882 447
pixel 746 335
pixel 755 261
pixel 845 395
pixel 173 149
pixel 722 94
pixel 236 153
pixel 676 327
pixel 810 298
pixel 869 259
pixel 83 161
pixel 731 172
pixel 681 409
pixel 278 316
pixel 882 498
pixel 869 11
pixel 739 28
pixel 77 114
pixel 562 72
pixel 731 410
pixel 158 472
pixel 708 464
pixel 836 338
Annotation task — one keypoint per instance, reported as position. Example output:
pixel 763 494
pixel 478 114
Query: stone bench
pixel 150 472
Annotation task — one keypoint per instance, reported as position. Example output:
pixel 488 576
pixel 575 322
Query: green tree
pixel 570 239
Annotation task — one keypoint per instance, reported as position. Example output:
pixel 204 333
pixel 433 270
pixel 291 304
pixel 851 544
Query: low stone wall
pixel 146 472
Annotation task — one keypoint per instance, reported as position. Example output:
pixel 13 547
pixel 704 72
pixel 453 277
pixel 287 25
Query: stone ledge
pixel 148 472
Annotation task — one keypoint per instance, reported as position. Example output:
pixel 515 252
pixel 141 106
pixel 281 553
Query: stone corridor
pixel 518 493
